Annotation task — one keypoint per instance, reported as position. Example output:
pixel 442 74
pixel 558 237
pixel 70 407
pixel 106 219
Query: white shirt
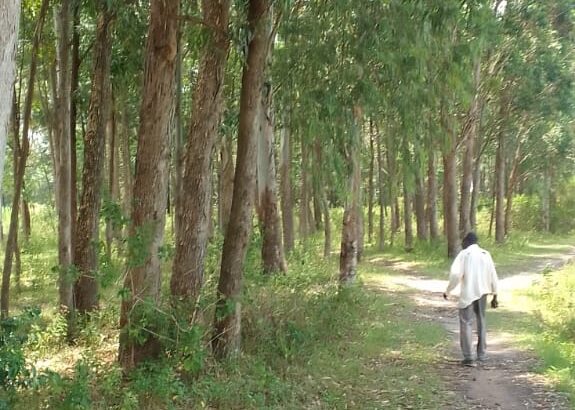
pixel 474 269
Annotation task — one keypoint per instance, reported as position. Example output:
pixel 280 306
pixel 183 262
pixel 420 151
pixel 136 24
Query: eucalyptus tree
pixel 193 202
pixel 9 25
pixel 22 149
pixel 142 283
pixel 227 320
pixel 537 60
pixel 87 226
pixel 62 153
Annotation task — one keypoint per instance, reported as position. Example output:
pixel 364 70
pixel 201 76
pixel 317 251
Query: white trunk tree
pixel 9 24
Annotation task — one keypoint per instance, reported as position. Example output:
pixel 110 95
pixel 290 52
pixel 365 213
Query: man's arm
pixel 455 274
pixel 494 282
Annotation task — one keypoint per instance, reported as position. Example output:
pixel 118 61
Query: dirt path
pixel 506 381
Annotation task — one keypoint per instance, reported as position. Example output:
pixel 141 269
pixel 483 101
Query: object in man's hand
pixel 445 296
pixel 494 302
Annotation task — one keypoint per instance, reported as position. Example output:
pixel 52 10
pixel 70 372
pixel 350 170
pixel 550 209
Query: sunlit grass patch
pixel 542 319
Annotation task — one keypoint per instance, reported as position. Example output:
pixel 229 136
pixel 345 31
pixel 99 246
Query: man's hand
pixel 444 295
pixel 494 302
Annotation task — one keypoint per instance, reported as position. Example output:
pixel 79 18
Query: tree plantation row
pixel 417 118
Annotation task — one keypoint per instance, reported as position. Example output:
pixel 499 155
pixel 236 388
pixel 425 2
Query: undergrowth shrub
pixel 558 301
pixel 15 373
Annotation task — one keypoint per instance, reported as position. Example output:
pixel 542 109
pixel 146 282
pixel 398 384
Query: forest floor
pixel 508 379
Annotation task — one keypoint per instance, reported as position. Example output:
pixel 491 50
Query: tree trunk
pixel 450 202
pixel 74 81
pixel 272 250
pixel 394 201
pixel 226 183
pixel 286 187
pixel 466 184
pixel 475 192
pixel 9 26
pixel 304 211
pixel 350 230
pixel 432 197
pixel 469 135
pixel 326 226
pixel 126 166
pixel 143 278
pixel 407 219
pixel 513 176
pixel 419 200
pixel 546 200
pixel 227 321
pixel 21 151
pixel 380 184
pixel 370 185
pixel 500 190
pixel 193 208
pixel 26 219
pixel 87 226
pixel 63 156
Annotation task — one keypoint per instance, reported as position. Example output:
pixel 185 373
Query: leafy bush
pixel 15 373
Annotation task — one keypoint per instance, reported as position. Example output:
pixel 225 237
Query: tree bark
pixel 21 149
pixel 286 187
pixel 546 200
pixel 150 187
pixel 126 166
pixel 419 201
pixel 87 226
pixel 450 202
pixel 227 321
pixel 370 184
pixel 500 189
pixel 74 84
pixel 194 201
pixel 407 218
pixel 512 182
pixel 63 157
pixel 326 226
pixel 476 191
pixel 380 184
pixel 469 135
pixel 272 250
pixel 226 183
pixel 304 211
pixel 432 197
pixel 9 26
pixel 350 230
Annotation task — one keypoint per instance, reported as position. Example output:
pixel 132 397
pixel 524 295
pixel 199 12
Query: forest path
pixel 506 380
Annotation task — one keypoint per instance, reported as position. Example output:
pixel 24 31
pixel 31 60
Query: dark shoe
pixel 483 358
pixel 468 363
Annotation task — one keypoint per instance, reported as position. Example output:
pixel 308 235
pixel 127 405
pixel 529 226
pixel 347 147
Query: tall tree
pixel 227 321
pixel 63 156
pixel 350 230
pixel 9 25
pixel 142 283
pixel 87 226
pixel 21 149
pixel 286 186
pixel 193 204
pixel 469 135
pixel 270 223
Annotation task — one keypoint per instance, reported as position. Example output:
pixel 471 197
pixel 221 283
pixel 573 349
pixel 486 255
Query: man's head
pixel 469 239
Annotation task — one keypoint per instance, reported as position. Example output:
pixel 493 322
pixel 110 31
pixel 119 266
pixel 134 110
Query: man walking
pixel 474 269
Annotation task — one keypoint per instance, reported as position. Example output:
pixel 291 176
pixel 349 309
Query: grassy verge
pixel 306 344
pixel 543 320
